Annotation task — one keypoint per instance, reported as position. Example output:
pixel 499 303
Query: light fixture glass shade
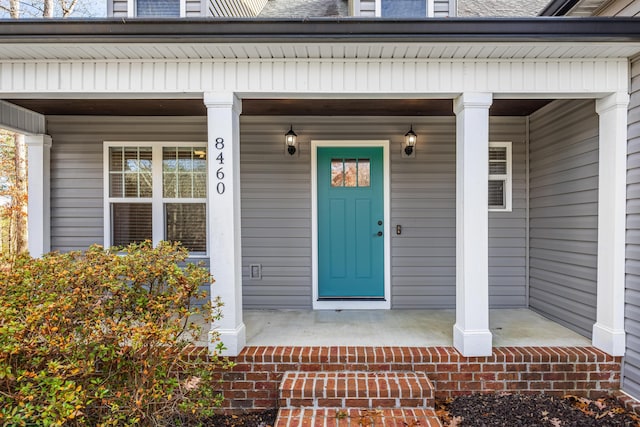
pixel 290 139
pixel 410 139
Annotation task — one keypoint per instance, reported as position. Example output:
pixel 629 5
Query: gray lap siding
pixel 276 201
pixel 564 213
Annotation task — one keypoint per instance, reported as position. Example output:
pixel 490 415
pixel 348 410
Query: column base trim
pixel 611 341
pixel 233 339
pixel 472 343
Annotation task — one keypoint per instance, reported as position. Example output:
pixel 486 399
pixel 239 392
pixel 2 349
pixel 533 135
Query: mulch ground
pixel 518 410
pixel 485 410
pixel 250 419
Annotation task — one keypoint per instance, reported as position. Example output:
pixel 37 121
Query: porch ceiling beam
pixel 320 30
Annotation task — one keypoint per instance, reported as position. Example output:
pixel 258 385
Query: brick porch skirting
pixel 584 371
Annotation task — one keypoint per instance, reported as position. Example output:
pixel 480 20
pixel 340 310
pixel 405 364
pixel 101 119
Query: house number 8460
pixel 220 187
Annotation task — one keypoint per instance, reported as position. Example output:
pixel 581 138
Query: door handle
pixel 379 233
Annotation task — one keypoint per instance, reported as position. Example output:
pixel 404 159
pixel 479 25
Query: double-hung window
pixel 500 176
pixel 406 8
pixel 158 8
pixel 156 192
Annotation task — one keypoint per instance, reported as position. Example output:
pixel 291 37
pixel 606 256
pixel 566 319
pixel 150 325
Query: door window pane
pixel 186 223
pixel 130 223
pixel 350 173
pixel 337 173
pixel 404 8
pixel 364 173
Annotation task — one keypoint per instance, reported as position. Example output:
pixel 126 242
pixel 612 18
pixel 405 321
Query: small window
pixel 405 8
pixel 158 8
pixel 500 176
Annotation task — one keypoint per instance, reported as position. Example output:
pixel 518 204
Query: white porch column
pixel 223 152
pixel 471 335
pixel 38 189
pixel 608 331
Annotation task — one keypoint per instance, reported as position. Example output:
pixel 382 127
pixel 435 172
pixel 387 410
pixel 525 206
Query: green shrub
pixel 97 338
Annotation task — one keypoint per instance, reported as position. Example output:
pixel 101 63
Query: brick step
pixel 341 417
pixel 355 390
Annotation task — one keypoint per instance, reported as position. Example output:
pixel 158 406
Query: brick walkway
pixel 305 417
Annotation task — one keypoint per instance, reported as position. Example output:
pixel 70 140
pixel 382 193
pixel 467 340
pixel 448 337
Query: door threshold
pixel 351 304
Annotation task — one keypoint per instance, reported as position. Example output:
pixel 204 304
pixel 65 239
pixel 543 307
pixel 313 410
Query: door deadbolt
pixel 379 222
pixel 379 233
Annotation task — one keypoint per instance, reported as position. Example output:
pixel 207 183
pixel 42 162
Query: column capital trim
pixel 223 100
pixel 609 102
pixel 472 100
pixel 42 140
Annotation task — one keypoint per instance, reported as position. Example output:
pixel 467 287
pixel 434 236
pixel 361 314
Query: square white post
pixel 471 335
pixel 38 190
pixel 223 190
pixel 608 331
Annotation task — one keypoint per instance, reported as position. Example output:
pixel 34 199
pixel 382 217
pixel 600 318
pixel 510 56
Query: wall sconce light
pixel 410 139
pixel 290 141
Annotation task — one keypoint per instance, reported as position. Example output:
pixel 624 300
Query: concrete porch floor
pixel 419 328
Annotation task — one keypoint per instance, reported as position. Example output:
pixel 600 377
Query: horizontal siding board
pixel 631 361
pixel 563 213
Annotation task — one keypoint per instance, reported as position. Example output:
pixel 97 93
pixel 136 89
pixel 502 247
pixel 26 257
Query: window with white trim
pixel 500 176
pixel 406 8
pixel 156 192
pixel 158 8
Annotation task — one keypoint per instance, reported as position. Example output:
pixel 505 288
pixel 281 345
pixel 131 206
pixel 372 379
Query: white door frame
pixel 347 304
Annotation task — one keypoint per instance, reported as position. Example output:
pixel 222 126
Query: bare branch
pixel 48 9
pixel 67 9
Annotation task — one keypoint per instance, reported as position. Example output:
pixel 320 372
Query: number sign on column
pixel 220 186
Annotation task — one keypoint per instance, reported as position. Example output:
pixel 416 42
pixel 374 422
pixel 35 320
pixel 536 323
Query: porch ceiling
pixel 508 49
pixel 272 107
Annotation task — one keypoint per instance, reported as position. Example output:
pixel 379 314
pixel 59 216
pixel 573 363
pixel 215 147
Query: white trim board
pixel 346 304
pixel 315 78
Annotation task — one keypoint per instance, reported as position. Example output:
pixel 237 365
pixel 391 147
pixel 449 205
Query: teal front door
pixel 350 223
